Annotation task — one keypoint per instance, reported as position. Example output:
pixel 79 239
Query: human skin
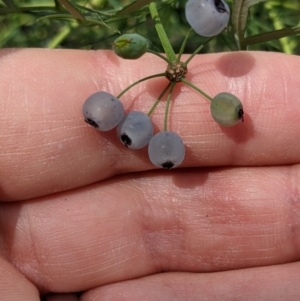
pixel 82 213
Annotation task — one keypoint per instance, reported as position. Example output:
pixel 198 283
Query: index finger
pixel 46 147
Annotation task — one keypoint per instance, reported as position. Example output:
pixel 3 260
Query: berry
pixel 166 150
pixel 135 130
pixel 130 46
pixel 103 111
pixel 226 109
pixel 207 17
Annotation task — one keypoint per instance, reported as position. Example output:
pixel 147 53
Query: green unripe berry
pixel 130 46
pixel 226 109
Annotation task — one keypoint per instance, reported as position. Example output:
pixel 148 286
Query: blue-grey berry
pixel 166 150
pixel 135 130
pixel 207 17
pixel 103 111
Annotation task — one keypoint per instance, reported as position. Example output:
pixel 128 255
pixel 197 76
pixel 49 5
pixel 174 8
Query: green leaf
pixel 9 3
pixel 58 6
pixel 56 16
pixel 239 17
pixel 274 35
pixel 71 9
pixel 133 7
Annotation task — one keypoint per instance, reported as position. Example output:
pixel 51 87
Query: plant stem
pixel 165 42
pixel 168 105
pixel 159 99
pixel 158 54
pixel 197 51
pixel 139 81
pixel 188 83
pixel 55 42
pixel 183 45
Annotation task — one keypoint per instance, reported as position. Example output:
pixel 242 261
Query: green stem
pixel 139 81
pixel 159 99
pixel 197 51
pixel 55 42
pixel 188 83
pixel 27 9
pixel 101 23
pixel 158 54
pixel 168 105
pixel 165 42
pixel 183 45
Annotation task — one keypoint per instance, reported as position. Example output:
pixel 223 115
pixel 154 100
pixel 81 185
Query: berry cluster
pixel 135 129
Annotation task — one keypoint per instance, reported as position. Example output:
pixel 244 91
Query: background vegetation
pixel 94 24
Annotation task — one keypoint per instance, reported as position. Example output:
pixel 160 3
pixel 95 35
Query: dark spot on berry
pixel 241 114
pixel 220 7
pixel 91 122
pixel 126 140
pixel 112 99
pixel 167 165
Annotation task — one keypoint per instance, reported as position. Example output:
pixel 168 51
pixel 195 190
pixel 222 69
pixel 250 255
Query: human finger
pixel 276 283
pixel 14 286
pixel 46 147
pixel 198 220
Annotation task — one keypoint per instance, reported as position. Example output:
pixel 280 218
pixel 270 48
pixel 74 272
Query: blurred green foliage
pixel 50 23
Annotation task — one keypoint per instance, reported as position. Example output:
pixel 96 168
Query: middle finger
pixel 194 220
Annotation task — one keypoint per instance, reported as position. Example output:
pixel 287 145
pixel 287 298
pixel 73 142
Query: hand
pixel 81 213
